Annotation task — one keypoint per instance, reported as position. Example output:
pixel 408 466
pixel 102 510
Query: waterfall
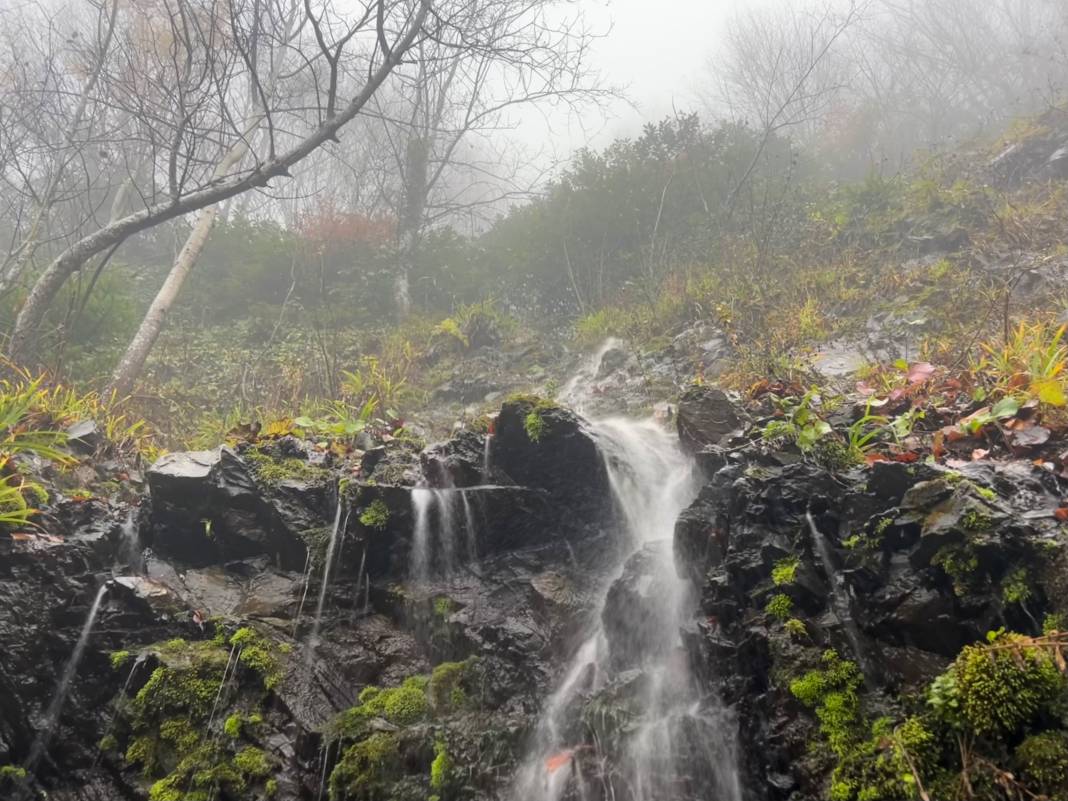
pixel 40 744
pixel 129 550
pixel 576 392
pixel 486 457
pixel 325 583
pixel 420 560
pixel 443 531
pixel 680 745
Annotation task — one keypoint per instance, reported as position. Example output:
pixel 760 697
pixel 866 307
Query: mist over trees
pixel 297 170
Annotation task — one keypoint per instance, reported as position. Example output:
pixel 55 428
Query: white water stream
pixel 680 746
pixel 40 744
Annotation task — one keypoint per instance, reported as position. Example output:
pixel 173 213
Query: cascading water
pixel 443 530
pixel 679 742
pixel 313 642
pixel 63 688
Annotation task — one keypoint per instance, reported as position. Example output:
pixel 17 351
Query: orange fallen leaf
pixel 22 536
pixel 980 453
pixel 1061 514
pixel 557 761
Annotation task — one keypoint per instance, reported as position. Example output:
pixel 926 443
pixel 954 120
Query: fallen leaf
pixel 1061 514
pixel 872 458
pixel 22 536
pixel 920 372
pixel 557 761
pixel 907 457
pixel 1029 437
pixel 980 453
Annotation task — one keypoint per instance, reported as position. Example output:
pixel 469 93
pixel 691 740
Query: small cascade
pixel 443 531
pixel 63 688
pixel 487 456
pixel 129 551
pixel 324 584
pixel 682 740
pixel 577 392
pixel 420 563
pixel 841 600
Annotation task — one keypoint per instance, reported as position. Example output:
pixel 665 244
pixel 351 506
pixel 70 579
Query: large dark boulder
pixel 206 508
pixel 706 416
pixel 539 444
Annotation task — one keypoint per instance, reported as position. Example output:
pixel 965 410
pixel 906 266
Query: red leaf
pixel 557 761
pixel 1061 514
pixel 907 456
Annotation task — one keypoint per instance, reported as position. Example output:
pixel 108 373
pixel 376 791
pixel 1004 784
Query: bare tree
pixel 175 83
pixel 445 127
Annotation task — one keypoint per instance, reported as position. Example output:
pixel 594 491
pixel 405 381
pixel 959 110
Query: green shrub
pixel 375 515
pixel 1042 760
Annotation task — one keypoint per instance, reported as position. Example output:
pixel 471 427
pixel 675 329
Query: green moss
pixel 1016 588
pixel 366 769
pixel 780 607
pixel 119 658
pixel 12 773
pixel 1042 761
pixel 534 420
pixel 1053 622
pixel 785 571
pixel 376 515
pixel 252 762
pixel 443 605
pixel 445 689
pixel 270 788
pixel 998 688
pixel 960 563
pixel 975 519
pixel 274 471
pixel 441 767
pixel 534 425
pixel 258 653
pixel 796 628
pixel 232 726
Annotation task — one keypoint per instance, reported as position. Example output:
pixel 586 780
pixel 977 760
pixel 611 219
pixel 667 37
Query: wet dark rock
pixel 706 415
pixel 207 508
pixel 85 436
pixel 457 462
pixel 563 461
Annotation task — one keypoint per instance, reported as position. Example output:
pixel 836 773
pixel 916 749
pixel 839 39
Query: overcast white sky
pixel 657 51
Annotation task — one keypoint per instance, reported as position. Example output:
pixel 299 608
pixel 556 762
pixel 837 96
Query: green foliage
pixel 257 652
pixel 996 689
pixel 12 773
pixel 445 690
pixel 1054 622
pixel 960 563
pixel 779 607
pixel 441 767
pixel 799 423
pixel 1042 760
pixel 273 471
pixel 119 658
pixel 795 627
pixel 366 769
pixel 252 762
pixel 375 515
pixel 232 726
pixel 785 571
pixel 534 425
pixel 1016 588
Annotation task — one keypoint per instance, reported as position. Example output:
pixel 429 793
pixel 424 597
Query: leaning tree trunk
pixel 48 285
pixel 133 361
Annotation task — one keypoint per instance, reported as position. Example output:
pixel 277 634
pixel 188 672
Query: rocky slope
pixel 831 597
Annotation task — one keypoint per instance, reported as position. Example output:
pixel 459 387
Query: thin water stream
pixel 44 736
